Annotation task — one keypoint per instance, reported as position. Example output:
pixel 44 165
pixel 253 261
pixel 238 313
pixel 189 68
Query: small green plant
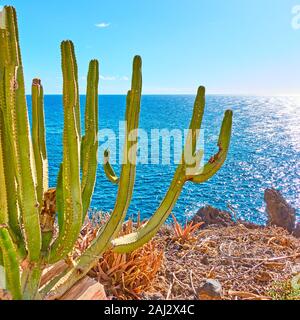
pixel 286 290
pixel 27 210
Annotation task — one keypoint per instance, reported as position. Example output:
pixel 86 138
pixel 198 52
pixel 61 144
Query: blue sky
pixel 231 47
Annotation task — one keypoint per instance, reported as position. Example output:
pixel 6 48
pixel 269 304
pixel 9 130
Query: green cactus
pixel 39 139
pixel 127 178
pixel 11 263
pixel 109 171
pixel 27 210
pixel 13 105
pixel 89 144
pixel 71 186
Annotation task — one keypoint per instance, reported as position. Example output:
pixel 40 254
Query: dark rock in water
pixel 280 213
pixel 210 290
pixel 213 216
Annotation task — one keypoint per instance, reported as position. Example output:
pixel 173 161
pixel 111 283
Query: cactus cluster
pixel 28 208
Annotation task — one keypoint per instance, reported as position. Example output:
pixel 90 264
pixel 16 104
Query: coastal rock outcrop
pixel 213 216
pixel 280 213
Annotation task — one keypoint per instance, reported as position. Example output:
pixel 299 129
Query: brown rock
pixel 210 290
pixel 152 296
pixel 213 216
pixel 5 295
pixel 86 289
pixel 280 213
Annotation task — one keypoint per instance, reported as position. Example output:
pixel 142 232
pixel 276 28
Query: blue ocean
pixel 264 152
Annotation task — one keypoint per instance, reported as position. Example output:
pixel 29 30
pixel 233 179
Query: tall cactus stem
pixel 89 143
pixel 125 190
pixel 30 281
pixel 24 160
pixel 59 198
pixel 16 118
pixel 11 263
pixel 3 193
pixel 72 213
pixel 39 139
pixel 8 30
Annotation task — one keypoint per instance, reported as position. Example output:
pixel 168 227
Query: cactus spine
pixel 28 207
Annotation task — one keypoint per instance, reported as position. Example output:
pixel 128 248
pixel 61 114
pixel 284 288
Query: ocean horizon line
pixel 187 94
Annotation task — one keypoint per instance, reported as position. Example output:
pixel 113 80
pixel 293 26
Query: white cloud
pixel 108 78
pixel 168 90
pixel 114 78
pixel 102 25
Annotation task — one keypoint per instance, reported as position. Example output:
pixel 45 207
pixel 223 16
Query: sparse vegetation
pixel 283 290
pixel 124 275
pixel 186 233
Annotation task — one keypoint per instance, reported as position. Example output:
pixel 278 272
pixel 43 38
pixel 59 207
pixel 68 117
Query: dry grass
pixel 251 263
pixel 246 261
pixel 128 276
pixel 124 276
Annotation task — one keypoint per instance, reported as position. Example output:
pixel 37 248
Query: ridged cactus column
pixel 11 263
pixel 72 209
pixel 39 139
pixel 127 178
pixel 15 112
pixel 17 141
pixel 89 144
